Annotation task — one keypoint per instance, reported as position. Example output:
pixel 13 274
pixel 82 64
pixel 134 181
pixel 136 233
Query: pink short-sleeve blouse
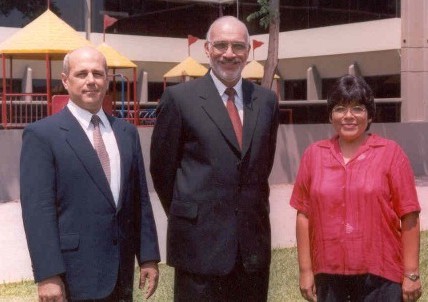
pixel 354 209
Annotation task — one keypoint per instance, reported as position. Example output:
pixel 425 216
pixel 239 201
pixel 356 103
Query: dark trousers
pixel 356 288
pixel 236 286
pixel 118 295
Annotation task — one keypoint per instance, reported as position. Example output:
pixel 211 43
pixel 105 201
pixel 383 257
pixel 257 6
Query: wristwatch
pixel 412 276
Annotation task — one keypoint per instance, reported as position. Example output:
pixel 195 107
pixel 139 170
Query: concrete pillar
pixel 87 7
pixel 276 88
pixel 27 83
pixel 313 80
pixel 354 70
pixel 414 60
pixel 142 87
pixel 281 89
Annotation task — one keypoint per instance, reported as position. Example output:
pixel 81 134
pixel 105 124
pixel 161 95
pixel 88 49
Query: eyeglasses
pixel 223 46
pixel 355 110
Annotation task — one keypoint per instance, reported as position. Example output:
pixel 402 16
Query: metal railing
pixel 147 117
pixel 20 109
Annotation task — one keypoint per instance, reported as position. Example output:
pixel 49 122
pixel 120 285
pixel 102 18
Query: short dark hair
pixel 350 89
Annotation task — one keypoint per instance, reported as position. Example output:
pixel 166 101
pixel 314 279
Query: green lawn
pixel 283 280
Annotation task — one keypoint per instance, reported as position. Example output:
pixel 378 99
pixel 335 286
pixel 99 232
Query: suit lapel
pixel 124 145
pixel 214 107
pixel 251 113
pixel 79 143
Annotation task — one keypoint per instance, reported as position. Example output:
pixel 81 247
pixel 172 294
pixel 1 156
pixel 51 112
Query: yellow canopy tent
pixel 254 70
pixel 47 34
pixel 188 68
pixel 47 37
pixel 114 58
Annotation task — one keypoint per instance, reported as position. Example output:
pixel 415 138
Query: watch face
pixel 413 277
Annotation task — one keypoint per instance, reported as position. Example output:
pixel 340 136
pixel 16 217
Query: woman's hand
pixel 306 279
pixel 412 290
pixel 307 286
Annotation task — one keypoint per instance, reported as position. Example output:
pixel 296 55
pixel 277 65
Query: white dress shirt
pixel 84 118
pixel 239 97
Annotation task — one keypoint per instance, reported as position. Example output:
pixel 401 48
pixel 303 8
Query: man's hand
pixel 149 270
pixel 51 290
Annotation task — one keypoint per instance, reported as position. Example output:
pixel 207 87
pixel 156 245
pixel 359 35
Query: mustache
pixel 232 60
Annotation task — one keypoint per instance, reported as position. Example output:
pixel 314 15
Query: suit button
pixel 114 241
pixel 236 211
pixel 238 165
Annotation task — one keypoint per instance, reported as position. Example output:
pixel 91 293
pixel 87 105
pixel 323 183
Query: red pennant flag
pixel 191 39
pixel 109 21
pixel 257 44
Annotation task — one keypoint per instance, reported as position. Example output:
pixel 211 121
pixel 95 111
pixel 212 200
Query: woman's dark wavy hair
pixel 350 89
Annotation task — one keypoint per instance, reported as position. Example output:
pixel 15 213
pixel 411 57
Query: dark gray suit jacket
pixel 73 226
pixel 215 196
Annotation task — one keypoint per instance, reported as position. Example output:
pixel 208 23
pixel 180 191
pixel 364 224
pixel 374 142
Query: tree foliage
pixel 263 15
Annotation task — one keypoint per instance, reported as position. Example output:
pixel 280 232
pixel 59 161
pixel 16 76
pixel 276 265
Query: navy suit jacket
pixel 215 195
pixel 72 224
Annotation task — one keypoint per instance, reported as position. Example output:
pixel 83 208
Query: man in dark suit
pixel 211 172
pixel 85 204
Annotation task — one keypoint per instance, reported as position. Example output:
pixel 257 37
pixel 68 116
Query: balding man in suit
pixel 212 151
pixel 85 204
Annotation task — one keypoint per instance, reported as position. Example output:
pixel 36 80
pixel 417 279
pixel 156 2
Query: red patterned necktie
pixel 234 115
pixel 99 146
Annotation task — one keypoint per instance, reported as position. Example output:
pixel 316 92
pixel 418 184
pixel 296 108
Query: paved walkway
pixel 15 262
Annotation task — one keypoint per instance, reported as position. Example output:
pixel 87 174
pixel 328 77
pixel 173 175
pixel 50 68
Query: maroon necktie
pixel 234 115
pixel 99 146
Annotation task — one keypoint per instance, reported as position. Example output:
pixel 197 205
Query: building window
pixel 294 90
pixel 20 13
pixel 178 19
pixel 385 86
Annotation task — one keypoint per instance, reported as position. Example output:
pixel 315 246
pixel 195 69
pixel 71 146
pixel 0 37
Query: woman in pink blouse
pixel 357 210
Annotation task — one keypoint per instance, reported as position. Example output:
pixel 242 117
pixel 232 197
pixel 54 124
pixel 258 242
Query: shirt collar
pixel 221 88
pixel 373 140
pixel 84 116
